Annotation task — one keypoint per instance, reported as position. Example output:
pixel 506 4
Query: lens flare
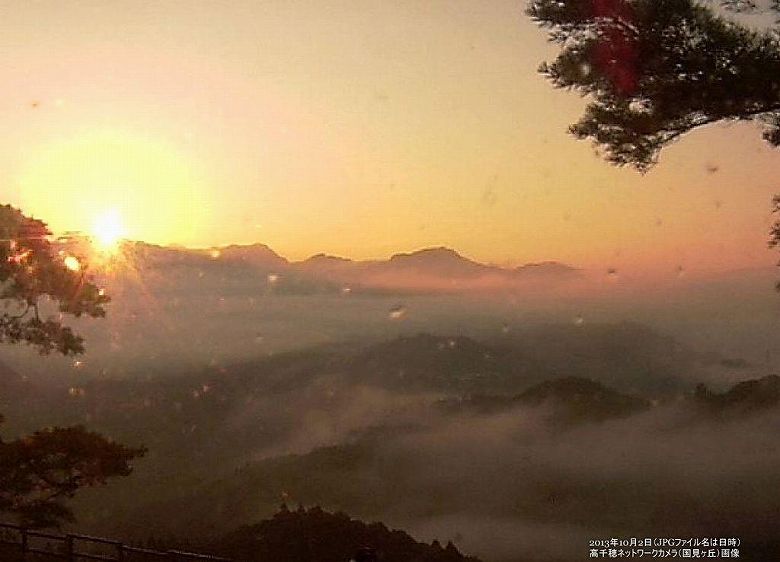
pixel 72 263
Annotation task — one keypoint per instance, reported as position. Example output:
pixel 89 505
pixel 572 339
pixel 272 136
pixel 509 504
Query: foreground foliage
pixel 656 69
pixel 38 472
pixel 34 273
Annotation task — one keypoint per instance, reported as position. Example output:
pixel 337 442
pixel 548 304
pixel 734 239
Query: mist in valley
pixel 350 289
pixel 518 422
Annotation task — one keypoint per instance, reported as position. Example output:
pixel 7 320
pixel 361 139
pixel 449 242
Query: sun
pixel 108 230
pixel 111 184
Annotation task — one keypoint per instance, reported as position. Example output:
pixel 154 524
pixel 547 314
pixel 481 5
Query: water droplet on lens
pixel 397 312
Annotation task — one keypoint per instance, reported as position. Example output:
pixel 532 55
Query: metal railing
pixel 27 544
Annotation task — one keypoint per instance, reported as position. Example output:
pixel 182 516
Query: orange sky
pixel 359 129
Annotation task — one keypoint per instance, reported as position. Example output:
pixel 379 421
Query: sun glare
pixel 108 230
pixel 113 184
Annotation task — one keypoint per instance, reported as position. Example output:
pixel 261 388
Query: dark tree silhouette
pixel 31 270
pixel 656 69
pixel 39 471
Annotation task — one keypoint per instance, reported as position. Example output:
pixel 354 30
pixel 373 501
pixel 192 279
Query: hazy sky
pixel 354 128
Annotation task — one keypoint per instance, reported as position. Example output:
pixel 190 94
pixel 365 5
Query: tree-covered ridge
pixel 569 400
pixel 315 535
pixel 745 398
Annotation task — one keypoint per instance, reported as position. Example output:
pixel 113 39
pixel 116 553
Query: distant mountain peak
pixel 547 266
pixel 436 269
pixel 434 253
pixel 256 252
pixel 439 261
pixel 325 259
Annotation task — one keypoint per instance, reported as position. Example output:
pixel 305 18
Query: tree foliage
pixel 32 271
pixel 41 470
pixel 38 472
pixel 656 69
